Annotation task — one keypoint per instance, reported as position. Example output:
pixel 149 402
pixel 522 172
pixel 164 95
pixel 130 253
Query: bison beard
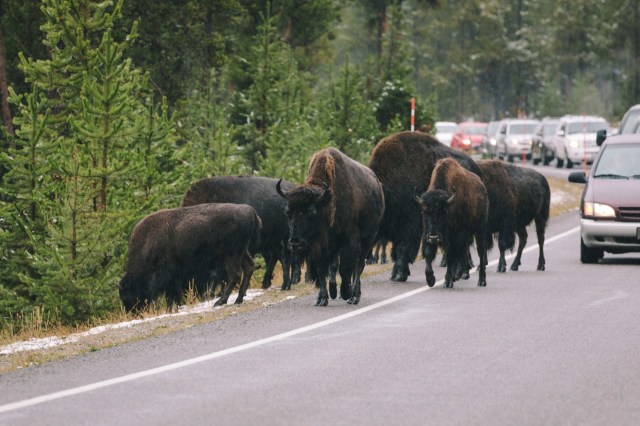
pixel 404 162
pixel 259 193
pixel 454 212
pixel 333 219
pixel 517 196
pixel 169 248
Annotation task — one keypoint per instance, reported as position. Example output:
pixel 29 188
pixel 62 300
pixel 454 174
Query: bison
pixel 404 162
pixel 454 211
pixel 171 247
pixel 260 193
pixel 333 219
pixel 517 196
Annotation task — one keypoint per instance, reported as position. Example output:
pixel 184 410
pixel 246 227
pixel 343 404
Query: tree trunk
pixel 4 90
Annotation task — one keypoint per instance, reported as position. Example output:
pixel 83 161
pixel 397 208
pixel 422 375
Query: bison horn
pixel 279 189
pixel 450 199
pixel 419 200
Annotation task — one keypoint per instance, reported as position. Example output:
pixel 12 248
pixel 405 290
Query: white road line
pixel 169 367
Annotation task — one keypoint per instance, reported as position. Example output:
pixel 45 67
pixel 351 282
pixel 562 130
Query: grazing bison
pixel 454 211
pixel 259 193
pixel 169 248
pixel 404 162
pixel 517 196
pixel 333 219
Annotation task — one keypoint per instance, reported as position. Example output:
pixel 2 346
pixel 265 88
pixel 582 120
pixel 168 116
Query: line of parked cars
pixel 610 204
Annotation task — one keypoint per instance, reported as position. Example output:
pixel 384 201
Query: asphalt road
pixel 532 348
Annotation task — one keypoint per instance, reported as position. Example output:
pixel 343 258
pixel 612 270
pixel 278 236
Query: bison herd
pixel 415 192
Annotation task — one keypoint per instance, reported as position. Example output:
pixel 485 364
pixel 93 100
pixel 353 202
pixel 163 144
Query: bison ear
pixel 325 196
pixel 279 189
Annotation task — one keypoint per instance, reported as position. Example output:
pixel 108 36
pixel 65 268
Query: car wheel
pixel 589 255
pixel 536 161
pixel 510 158
pixel 546 158
pixel 559 162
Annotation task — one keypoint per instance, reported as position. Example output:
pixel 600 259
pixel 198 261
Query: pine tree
pixel 97 160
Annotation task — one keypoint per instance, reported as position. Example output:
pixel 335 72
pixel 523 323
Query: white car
pixel 575 140
pixel 515 138
pixel 445 130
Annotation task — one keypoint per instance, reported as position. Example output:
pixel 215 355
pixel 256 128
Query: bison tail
pixel 256 239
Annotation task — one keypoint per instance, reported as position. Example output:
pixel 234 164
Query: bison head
pixel 434 205
pixel 131 294
pixel 305 213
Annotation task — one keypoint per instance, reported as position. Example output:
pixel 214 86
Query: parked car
pixel 515 138
pixel 610 205
pixel 469 136
pixel 630 122
pixel 445 130
pixel 488 145
pixel 575 139
pixel 543 148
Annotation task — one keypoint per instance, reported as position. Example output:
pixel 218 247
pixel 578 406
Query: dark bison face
pixel 304 211
pixel 434 205
pixel 130 295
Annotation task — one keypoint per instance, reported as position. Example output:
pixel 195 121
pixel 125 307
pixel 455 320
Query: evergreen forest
pixel 111 109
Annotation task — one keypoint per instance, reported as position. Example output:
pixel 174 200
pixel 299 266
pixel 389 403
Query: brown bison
pixel 404 162
pixel 517 196
pixel 333 219
pixel 169 248
pixel 259 193
pixel 454 211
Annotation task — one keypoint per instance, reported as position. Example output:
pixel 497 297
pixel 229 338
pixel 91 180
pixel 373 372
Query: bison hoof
pixel 514 267
pixel 431 280
pixel 482 283
pixel 465 275
pixel 220 302
pixel 345 292
pixel 322 301
pixel 501 268
pixel 540 267
pixel 285 287
pixel 238 301
pixel 266 285
pixel 353 300
pixel 333 290
pixel 448 284
pixel 399 277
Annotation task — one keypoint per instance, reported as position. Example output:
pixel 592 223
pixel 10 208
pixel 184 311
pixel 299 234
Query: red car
pixel 469 136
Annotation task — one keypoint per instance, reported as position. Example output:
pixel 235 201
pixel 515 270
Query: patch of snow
pixel 53 341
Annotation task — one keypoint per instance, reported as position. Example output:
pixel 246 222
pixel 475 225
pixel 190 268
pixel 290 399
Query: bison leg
pixel 270 260
pixel 333 279
pixel 383 252
pixel 429 253
pixel 540 226
pixel 247 265
pixel 522 241
pixel 482 255
pixel 233 277
pixel 321 282
pixel 285 260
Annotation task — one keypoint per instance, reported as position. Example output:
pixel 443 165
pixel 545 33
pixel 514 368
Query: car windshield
pixel 522 129
pixel 630 122
pixel 549 129
pixel 619 162
pixel 474 130
pixel 446 128
pixel 586 127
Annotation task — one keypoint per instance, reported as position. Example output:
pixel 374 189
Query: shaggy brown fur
pixel 404 162
pixel 334 215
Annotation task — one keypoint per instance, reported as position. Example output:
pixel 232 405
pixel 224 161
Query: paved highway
pixel 553 347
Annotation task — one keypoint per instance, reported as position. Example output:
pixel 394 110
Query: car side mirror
pixel 577 177
pixel 601 135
